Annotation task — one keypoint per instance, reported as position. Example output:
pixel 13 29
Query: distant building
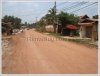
pixel 88 28
pixel 49 28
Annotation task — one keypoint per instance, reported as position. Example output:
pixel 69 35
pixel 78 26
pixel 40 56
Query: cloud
pixel 20 7
pixel 28 11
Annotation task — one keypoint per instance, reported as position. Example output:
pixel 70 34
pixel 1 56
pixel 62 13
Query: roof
pixel 84 17
pixel 91 19
pixel 86 24
pixel 88 20
pixel 71 27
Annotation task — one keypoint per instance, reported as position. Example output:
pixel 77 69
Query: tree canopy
pixel 14 20
pixel 66 18
pixel 95 16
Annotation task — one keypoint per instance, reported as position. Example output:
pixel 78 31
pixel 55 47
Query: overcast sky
pixel 29 10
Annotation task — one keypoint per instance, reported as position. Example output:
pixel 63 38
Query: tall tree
pixel 14 20
pixel 66 18
pixel 52 12
pixel 40 25
pixel 17 22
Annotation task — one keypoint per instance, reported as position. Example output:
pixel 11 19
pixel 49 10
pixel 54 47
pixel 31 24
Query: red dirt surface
pixel 58 57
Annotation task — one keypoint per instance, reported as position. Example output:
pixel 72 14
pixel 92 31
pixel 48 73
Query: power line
pixel 84 7
pixel 66 2
pixel 74 6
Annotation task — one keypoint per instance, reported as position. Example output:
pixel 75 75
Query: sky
pixel 28 11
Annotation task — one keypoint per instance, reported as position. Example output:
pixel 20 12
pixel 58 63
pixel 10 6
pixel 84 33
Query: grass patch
pixel 86 42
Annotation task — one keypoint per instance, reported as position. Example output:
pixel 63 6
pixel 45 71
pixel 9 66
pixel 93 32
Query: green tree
pixel 95 16
pixel 53 18
pixel 40 25
pixel 16 22
pixel 66 18
pixel 49 18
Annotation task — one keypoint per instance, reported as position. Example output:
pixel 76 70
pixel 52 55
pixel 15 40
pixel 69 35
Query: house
pixel 88 28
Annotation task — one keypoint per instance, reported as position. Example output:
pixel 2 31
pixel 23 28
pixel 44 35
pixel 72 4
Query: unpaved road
pixel 32 56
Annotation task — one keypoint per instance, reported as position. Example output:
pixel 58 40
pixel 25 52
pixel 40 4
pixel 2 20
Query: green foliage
pixel 40 26
pixel 95 16
pixel 66 18
pixel 63 19
pixel 15 21
pixel 49 18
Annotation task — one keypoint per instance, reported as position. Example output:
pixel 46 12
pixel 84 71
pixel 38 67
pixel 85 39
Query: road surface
pixel 36 53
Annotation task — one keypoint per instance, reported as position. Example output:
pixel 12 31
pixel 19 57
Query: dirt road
pixel 37 53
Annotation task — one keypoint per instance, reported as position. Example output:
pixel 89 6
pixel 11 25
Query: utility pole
pixel 55 21
pixel 55 8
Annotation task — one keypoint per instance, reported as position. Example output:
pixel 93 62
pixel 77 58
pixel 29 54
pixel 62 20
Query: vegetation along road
pixel 31 54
